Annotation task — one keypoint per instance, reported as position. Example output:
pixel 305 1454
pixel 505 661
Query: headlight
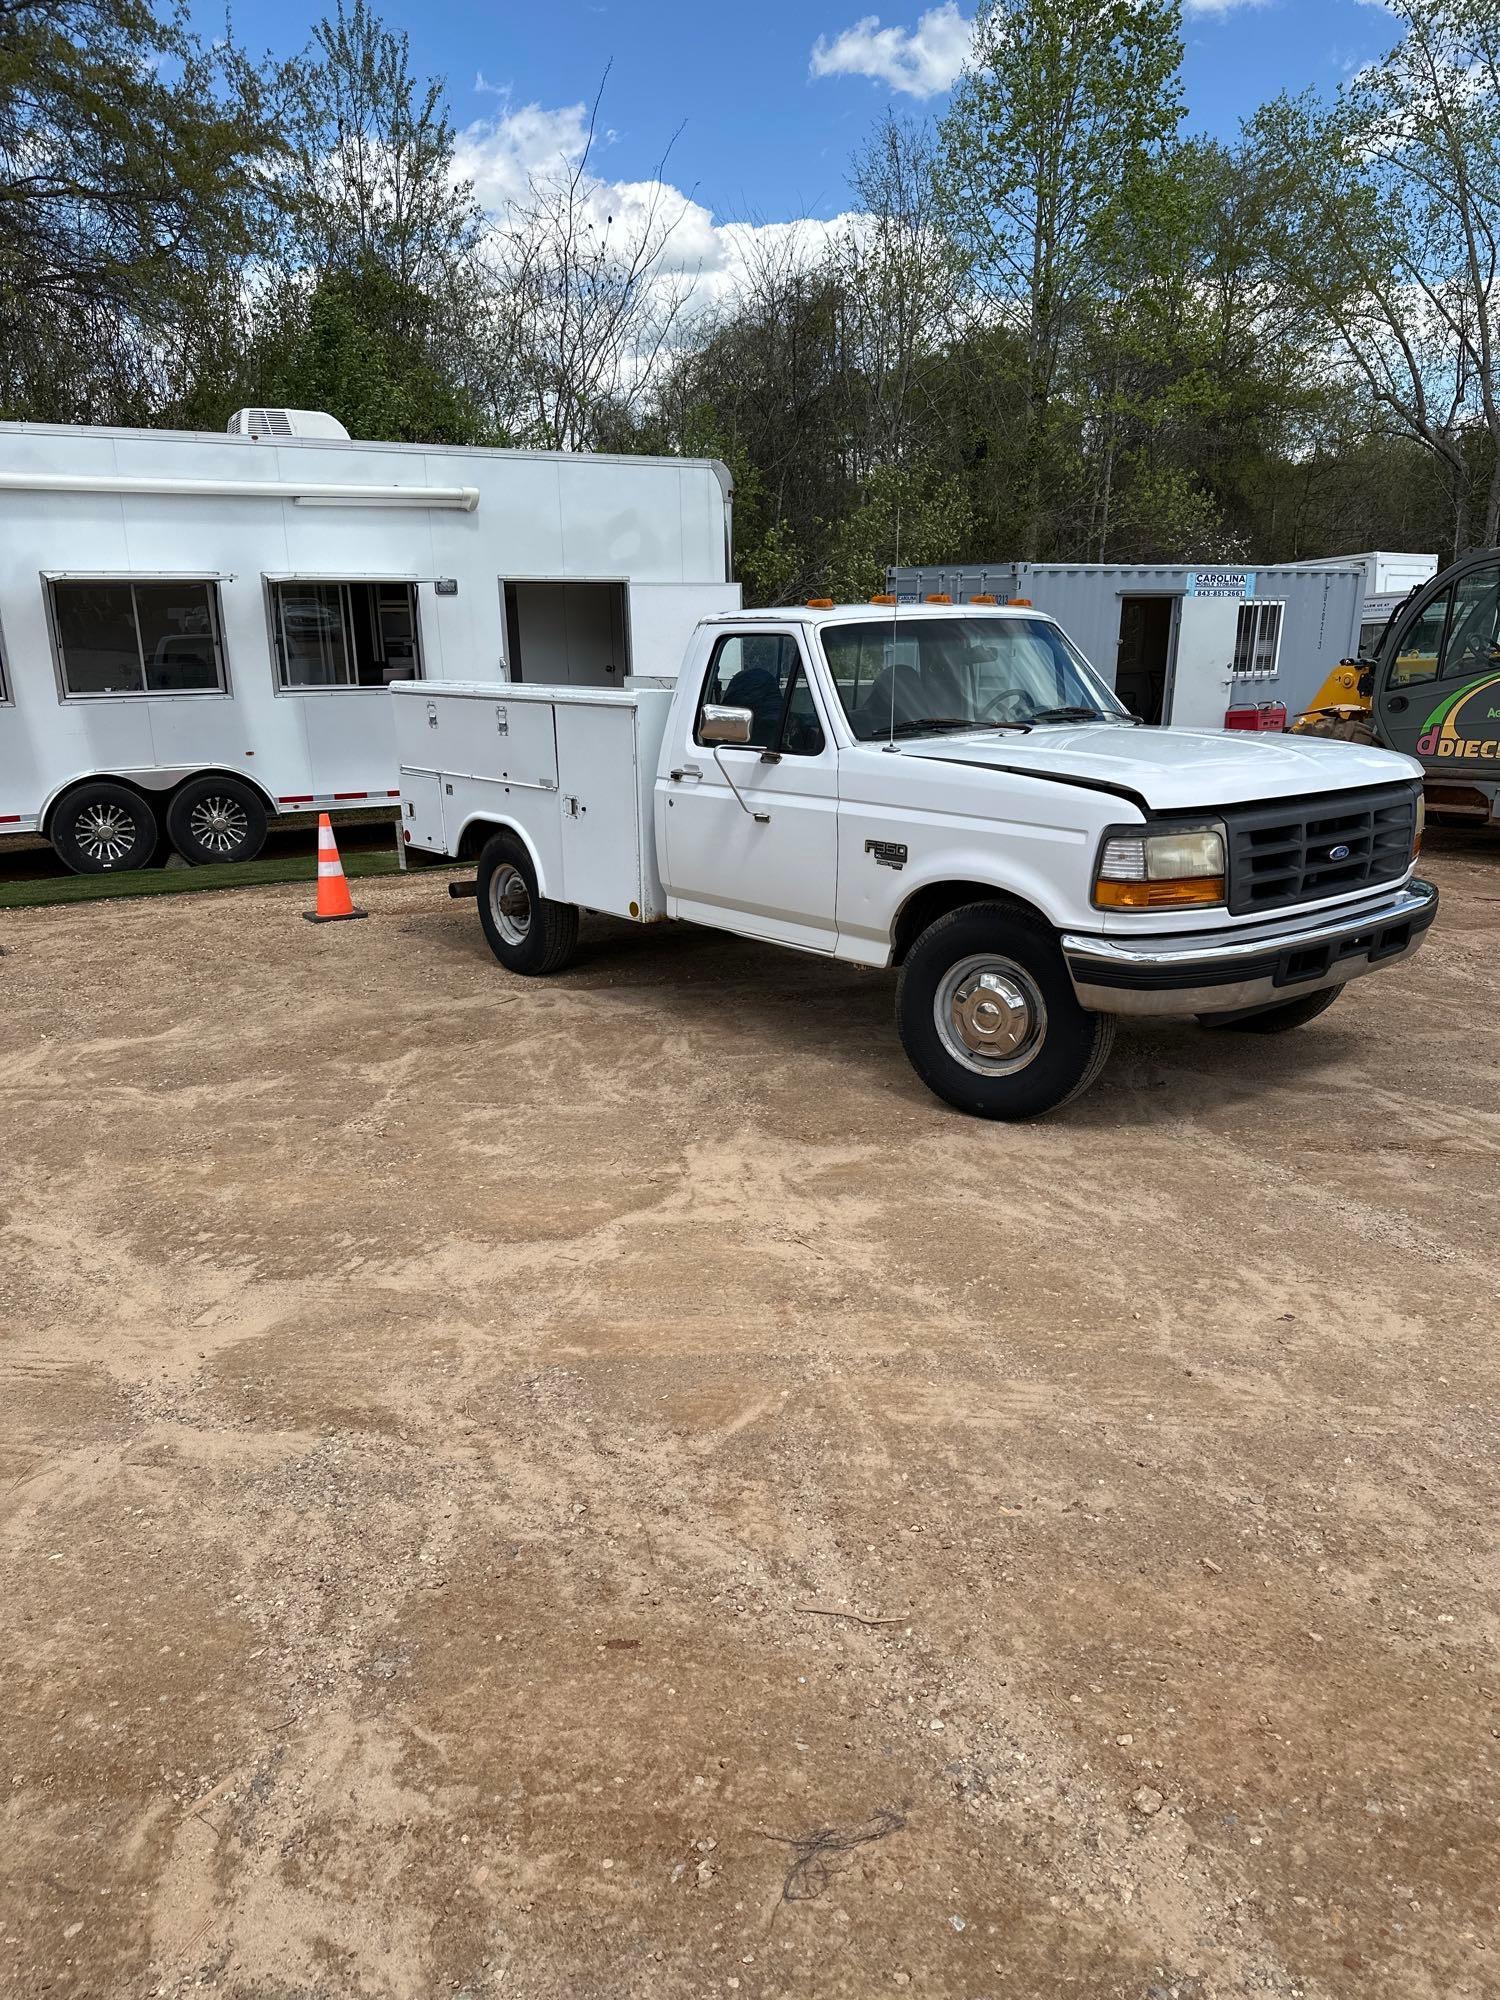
pixel 1161 871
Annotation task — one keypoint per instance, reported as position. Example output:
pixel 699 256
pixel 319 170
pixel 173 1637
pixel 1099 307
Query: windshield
pixel 920 674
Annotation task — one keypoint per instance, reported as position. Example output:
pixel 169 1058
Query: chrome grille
pixel 1288 853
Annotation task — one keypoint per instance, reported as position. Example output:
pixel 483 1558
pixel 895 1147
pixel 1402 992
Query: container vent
pixel 285 424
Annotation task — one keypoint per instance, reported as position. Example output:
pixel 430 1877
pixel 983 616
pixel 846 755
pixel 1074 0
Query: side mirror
pixel 725 725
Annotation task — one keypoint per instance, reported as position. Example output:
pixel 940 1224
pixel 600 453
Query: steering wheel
pixel 1011 696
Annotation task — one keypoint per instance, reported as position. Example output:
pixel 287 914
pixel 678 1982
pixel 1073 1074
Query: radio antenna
pixel 895 626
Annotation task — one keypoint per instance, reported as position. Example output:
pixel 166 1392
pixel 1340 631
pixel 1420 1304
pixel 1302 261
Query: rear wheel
pixel 526 930
pixel 988 1017
pixel 216 819
pixel 100 829
pixel 1276 1020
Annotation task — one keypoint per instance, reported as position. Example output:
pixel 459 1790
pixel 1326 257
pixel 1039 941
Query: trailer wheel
pixel 216 819
pixel 526 930
pixel 100 829
pixel 989 1019
pixel 1276 1020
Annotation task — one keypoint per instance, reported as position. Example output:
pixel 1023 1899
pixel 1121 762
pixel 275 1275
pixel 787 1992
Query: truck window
pixel 1470 647
pixel 344 635
pixel 762 671
pixel 117 638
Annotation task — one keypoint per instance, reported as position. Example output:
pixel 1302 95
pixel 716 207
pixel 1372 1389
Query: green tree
pixel 1048 151
pixel 1387 241
pixel 133 170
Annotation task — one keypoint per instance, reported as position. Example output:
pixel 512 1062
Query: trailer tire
pixel 1279 1019
pixel 1048 1049
pixel 526 930
pixel 216 819
pixel 103 829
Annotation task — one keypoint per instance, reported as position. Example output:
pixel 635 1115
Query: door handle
pixel 1398 702
pixel 684 772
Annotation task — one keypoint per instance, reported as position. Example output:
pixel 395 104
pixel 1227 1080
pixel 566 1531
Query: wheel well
pixel 936 899
pixel 474 836
pixel 158 797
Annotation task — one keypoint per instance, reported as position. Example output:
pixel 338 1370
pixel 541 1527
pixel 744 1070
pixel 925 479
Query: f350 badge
pixel 887 853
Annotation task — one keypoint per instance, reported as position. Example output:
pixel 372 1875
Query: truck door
pixel 1203 661
pixel 1437 688
pixel 752 831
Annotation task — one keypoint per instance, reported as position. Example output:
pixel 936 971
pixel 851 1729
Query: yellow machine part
pixel 1339 701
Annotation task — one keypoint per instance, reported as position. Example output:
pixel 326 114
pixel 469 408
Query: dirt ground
pixel 605 1487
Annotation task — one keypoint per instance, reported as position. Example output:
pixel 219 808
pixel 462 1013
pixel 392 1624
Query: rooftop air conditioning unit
pixel 285 424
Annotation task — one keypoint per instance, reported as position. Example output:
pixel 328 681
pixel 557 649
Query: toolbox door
pixel 597 780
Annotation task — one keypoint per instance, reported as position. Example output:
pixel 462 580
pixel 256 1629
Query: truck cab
pixel 951 792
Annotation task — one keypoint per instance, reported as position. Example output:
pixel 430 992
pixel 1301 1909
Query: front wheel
pixel 527 931
pixel 988 1017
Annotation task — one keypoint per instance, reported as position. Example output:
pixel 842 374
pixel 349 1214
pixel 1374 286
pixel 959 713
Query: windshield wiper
pixel 927 725
pixel 1085 715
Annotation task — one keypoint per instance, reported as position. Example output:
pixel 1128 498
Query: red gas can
pixel 1257 715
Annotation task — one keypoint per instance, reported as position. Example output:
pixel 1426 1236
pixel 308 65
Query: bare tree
pixel 1389 237
pixel 586 299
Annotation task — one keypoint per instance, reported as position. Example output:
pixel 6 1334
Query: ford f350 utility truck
pixel 954 793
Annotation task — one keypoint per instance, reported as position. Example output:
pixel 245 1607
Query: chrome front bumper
pixel 1221 972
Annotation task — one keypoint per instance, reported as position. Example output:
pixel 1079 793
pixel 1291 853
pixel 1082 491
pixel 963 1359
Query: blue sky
pixel 762 137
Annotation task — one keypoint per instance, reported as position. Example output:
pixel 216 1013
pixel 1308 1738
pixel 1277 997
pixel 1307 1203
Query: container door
pixel 1203 662
pixel 597 778
pixel 1438 692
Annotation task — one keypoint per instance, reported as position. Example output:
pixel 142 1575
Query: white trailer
pixel 197 631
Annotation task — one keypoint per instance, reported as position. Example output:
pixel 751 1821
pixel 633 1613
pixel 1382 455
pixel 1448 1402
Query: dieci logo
pixel 1465 725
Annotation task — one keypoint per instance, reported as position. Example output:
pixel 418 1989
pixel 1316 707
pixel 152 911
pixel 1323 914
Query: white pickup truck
pixel 953 792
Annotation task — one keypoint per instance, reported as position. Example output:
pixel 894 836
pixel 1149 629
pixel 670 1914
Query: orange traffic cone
pixel 334 904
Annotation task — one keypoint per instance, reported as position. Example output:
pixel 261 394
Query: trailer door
pixel 663 617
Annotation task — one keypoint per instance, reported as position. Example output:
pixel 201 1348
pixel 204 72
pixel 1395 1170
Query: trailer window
pixel 137 638
pixel 345 635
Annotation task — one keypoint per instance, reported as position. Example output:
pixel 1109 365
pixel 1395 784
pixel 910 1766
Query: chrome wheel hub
pixel 510 903
pixel 990 1015
pixel 105 833
pixel 219 824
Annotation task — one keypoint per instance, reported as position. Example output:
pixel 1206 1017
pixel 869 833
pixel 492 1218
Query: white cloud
pixel 529 143
pixel 1216 9
pixel 920 61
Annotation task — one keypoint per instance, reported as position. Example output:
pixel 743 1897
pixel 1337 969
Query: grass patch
pixel 184 881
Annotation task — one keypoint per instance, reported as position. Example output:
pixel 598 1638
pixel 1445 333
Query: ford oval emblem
pixel 1339 853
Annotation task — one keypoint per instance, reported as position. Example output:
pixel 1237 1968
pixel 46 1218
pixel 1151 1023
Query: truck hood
pixel 1173 770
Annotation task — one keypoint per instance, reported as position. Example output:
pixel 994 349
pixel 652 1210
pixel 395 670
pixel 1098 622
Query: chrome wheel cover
pixel 105 833
pixel 510 903
pixel 990 1015
pixel 219 824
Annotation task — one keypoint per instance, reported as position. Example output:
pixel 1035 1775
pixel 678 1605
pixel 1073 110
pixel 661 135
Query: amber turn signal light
pixel 1159 895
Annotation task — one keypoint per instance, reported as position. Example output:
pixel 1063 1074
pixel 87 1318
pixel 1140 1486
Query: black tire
pixel 216 819
pixel 103 829
pixel 1278 1019
pixel 1063 1046
pixel 526 931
